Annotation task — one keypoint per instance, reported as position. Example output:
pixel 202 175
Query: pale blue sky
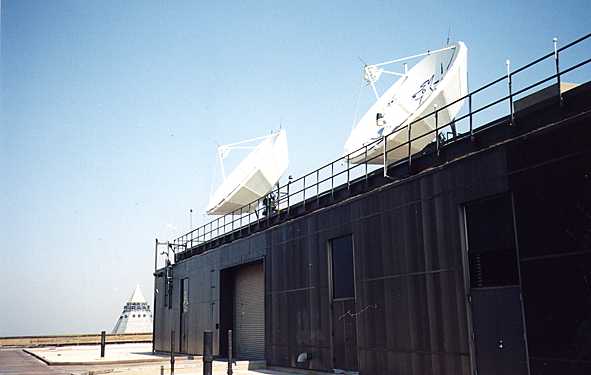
pixel 111 110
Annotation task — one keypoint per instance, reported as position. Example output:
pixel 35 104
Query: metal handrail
pixel 201 235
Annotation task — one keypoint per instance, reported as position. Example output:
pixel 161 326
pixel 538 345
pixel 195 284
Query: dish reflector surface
pixel 436 80
pixel 253 178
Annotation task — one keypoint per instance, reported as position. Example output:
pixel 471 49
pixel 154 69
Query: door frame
pixel 331 300
pixel 466 273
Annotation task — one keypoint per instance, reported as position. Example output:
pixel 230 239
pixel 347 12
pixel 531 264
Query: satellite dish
pixel 255 175
pixel 438 79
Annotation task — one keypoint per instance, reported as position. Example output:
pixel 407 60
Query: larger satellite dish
pixel 254 177
pixel 438 79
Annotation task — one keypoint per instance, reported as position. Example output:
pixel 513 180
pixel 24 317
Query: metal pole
pixel 409 143
pixel 304 192
pixel 156 255
pixel 332 180
pixel 366 166
pixel 229 352
pixel 509 79
pixel 557 61
pixel 317 185
pixel 385 155
pixel 470 113
pixel 348 172
pixel 207 352
pixel 288 184
pixel 278 200
pixel 103 341
pixel 436 128
pixel 172 352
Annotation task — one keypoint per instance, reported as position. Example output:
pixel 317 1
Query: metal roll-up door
pixel 249 312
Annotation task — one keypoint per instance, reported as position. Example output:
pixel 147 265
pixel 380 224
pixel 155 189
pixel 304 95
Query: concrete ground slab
pixel 121 359
pixel 90 354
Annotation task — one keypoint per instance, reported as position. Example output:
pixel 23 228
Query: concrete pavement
pixel 18 362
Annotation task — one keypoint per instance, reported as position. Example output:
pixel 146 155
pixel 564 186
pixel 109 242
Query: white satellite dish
pixel 255 175
pixel 438 79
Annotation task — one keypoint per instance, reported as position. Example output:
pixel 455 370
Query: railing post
pixel 258 214
pixel 510 82
pixel 249 221
pixel 230 352
pixel 278 199
pixel 318 186
pixel 409 148
pixel 304 191
pixel 348 174
pixel 436 128
pixel 288 193
pixel 557 62
pixel 268 210
pixel 385 155
pixel 470 115
pixel 332 180
pixel 207 352
pixel 365 159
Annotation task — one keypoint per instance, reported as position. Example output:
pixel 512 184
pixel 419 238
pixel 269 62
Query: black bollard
pixel 207 352
pixel 229 352
pixel 103 341
pixel 172 352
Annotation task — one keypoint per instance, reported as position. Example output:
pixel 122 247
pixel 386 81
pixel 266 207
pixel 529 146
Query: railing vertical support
pixel 248 221
pixel 304 192
pixel 470 115
pixel 288 184
pixel 557 62
pixel 318 186
pixel 278 198
pixel 348 174
pixel 510 83
pixel 436 128
pixel 365 159
pixel 258 215
pixel 385 155
pixel 409 148
pixel 332 180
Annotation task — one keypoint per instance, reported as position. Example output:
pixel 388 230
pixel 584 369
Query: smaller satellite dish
pixel 439 78
pixel 255 175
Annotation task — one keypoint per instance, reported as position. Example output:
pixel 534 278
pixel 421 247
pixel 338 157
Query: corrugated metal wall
pixel 410 307
pixel 409 279
pixel 249 312
pixel 203 273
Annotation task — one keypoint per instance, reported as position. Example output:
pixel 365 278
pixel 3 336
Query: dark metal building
pixel 475 257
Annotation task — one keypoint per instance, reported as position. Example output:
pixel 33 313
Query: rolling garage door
pixel 249 312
